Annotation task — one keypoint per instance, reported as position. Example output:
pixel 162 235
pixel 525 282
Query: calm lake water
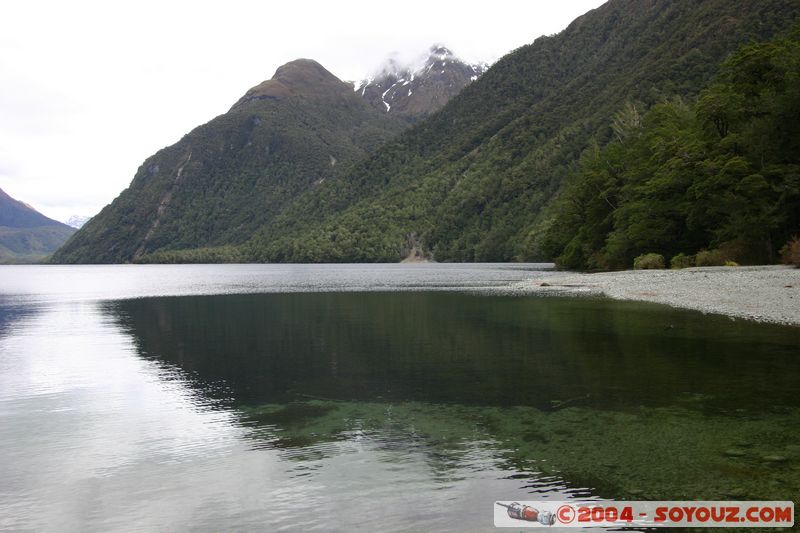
pixel 369 397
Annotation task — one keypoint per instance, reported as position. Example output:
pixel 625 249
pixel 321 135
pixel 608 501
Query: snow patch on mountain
pixel 77 221
pixel 428 83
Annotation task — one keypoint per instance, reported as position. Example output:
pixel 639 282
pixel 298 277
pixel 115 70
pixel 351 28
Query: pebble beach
pixel 760 293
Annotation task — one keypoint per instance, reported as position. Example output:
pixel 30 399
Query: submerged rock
pixel 734 452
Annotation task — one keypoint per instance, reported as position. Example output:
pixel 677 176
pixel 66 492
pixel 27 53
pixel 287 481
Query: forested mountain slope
pixel 227 178
pixel 708 181
pixel 469 183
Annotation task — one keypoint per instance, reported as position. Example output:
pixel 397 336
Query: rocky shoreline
pixel 761 293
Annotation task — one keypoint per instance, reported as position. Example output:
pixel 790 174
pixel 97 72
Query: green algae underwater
pixel 616 399
pixel 645 454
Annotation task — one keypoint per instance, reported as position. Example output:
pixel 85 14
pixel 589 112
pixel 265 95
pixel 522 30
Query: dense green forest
pixel 720 173
pixel 471 183
pixel 503 171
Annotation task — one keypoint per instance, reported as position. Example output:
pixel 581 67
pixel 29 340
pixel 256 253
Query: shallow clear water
pixel 345 397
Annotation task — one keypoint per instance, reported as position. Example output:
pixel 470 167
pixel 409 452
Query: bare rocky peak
pixel 414 91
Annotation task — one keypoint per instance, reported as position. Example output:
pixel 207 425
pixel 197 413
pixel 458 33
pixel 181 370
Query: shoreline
pixel 760 293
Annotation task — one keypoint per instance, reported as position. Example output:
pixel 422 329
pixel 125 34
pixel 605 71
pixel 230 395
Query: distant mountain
pixel 77 221
pixel 27 235
pixel 415 91
pixel 227 178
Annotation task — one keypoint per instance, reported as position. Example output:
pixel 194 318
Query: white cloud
pixel 88 90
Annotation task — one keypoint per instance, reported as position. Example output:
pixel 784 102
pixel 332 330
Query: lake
pixel 369 397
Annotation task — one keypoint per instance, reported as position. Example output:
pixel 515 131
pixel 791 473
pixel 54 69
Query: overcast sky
pixel 88 90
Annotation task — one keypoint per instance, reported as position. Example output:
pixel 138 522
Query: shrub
pixel 646 261
pixel 731 264
pixel 790 253
pixel 710 258
pixel 681 261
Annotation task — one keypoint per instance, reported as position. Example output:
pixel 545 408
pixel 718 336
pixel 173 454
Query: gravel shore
pixel 762 293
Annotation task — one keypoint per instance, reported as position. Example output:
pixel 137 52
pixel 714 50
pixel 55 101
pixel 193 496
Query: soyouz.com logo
pixel 572 513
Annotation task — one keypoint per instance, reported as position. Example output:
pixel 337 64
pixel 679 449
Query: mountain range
pixel 307 168
pixel 27 235
pixel 284 137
